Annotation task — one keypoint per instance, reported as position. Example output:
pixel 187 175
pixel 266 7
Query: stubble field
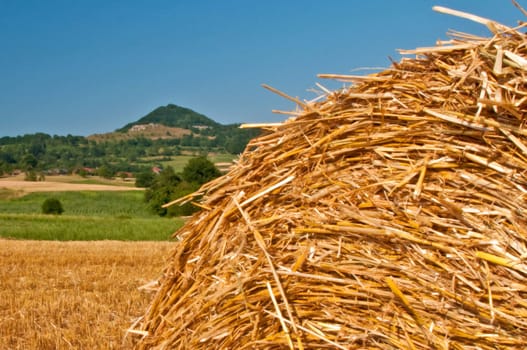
pixel 74 295
pixel 63 183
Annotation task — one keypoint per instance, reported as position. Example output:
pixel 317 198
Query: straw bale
pixel 389 215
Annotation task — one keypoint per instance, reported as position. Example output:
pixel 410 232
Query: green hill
pixel 174 116
pixel 192 128
pixel 163 134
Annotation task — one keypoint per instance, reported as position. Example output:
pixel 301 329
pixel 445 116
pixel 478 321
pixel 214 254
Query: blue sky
pixel 82 67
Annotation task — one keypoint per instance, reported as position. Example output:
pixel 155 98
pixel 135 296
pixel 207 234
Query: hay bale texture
pixel 389 215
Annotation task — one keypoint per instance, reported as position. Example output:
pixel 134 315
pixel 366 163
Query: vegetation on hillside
pixel 40 152
pixel 176 116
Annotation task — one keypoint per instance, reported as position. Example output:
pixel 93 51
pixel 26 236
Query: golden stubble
pixel 74 295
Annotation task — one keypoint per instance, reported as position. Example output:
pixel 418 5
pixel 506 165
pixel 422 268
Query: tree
pixel 29 162
pixel 5 168
pixel 82 172
pixel 31 175
pixel 105 171
pixel 162 190
pixel 200 170
pixel 144 178
pixel 235 144
pixel 181 190
pixel 52 206
pixel 37 149
pixel 7 158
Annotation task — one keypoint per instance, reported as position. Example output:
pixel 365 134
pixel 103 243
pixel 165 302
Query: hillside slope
pixel 173 116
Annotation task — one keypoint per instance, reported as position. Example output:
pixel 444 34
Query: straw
pixel 390 214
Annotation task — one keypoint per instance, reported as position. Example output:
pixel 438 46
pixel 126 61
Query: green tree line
pixel 42 152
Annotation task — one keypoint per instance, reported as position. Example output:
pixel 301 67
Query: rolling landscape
pixel 98 178
pixel 77 280
pixel 384 208
pixel 168 136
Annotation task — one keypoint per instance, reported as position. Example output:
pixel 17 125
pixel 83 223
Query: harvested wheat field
pixel 74 295
pixel 388 215
pixel 54 184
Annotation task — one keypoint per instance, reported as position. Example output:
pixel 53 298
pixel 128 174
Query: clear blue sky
pixel 82 67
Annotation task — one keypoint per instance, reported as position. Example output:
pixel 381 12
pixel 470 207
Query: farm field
pixel 88 215
pixel 71 228
pixel 65 183
pixel 75 295
pixel 73 281
pixel 222 160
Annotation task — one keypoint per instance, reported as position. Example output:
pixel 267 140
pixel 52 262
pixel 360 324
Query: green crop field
pixel 82 203
pixel 88 215
pixel 222 157
pixel 179 162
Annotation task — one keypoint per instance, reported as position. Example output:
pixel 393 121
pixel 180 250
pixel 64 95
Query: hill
pixel 150 131
pixel 179 123
pixel 166 132
pixel 173 116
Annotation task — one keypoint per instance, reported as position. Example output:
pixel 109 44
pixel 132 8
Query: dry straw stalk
pixel 390 215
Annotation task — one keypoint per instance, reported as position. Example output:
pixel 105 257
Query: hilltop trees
pixel 173 115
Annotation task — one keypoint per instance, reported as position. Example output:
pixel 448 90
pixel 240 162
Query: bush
pixel 144 178
pixel 168 186
pixel 161 190
pixel 105 172
pixel 182 189
pixel 52 206
pixel 31 175
pixel 200 170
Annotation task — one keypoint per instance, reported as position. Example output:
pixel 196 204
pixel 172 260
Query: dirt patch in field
pixel 74 295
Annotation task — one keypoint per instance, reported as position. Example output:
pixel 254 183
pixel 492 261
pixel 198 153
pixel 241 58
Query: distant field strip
pixel 85 203
pixel 50 186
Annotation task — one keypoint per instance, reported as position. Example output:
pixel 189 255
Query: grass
pixel 75 295
pixel 77 179
pixel 88 215
pixel 83 203
pixel 86 228
pixel 179 162
pixel 222 157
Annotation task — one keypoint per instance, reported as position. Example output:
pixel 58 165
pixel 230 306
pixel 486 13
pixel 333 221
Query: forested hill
pixel 183 124
pixel 158 137
pixel 174 116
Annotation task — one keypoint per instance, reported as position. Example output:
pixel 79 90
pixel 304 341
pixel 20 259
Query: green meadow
pixel 179 162
pixel 88 215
